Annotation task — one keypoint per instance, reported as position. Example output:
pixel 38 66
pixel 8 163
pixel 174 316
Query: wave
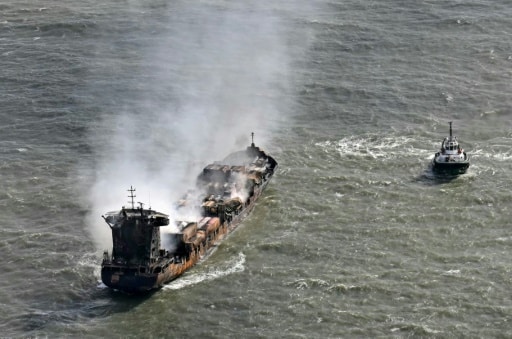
pixel 235 265
pixel 373 146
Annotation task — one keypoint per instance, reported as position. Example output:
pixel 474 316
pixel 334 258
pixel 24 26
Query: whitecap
pixel 451 272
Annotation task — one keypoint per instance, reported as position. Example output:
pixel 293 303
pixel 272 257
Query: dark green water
pixel 354 236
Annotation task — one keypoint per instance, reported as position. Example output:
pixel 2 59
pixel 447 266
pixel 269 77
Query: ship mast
pixel 450 130
pixel 252 139
pixel 132 190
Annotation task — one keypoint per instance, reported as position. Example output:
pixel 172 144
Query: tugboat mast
pixel 450 130
pixel 252 139
pixel 132 190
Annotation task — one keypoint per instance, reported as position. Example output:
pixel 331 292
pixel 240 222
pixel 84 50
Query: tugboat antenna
pixel 450 129
pixel 252 139
pixel 131 190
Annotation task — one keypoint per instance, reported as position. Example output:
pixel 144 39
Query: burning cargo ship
pixel 226 193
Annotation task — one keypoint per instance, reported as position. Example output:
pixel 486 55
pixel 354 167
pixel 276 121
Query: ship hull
pixel 165 268
pixel 126 280
pixel 131 281
pixel 121 279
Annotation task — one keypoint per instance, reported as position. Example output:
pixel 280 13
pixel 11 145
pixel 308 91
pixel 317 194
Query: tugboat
pixel 225 194
pixel 451 159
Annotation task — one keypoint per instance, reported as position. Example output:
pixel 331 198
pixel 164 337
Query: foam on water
pixel 374 146
pixel 235 265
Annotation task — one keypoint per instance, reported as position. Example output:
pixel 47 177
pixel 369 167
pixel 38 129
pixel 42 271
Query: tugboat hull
pixel 451 169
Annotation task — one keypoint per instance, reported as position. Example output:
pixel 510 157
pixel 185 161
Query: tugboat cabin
pixel 450 144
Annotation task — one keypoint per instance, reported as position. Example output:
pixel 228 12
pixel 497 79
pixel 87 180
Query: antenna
pixel 450 129
pixel 252 139
pixel 132 190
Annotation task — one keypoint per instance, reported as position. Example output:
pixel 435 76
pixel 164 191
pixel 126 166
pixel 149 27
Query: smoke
pixel 239 189
pixel 210 76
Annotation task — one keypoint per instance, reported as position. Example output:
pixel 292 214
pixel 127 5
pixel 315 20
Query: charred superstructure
pixel 226 192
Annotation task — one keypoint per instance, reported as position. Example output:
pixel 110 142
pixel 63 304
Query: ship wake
pixel 235 265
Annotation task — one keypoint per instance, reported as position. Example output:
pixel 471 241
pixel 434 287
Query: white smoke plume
pixel 213 76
